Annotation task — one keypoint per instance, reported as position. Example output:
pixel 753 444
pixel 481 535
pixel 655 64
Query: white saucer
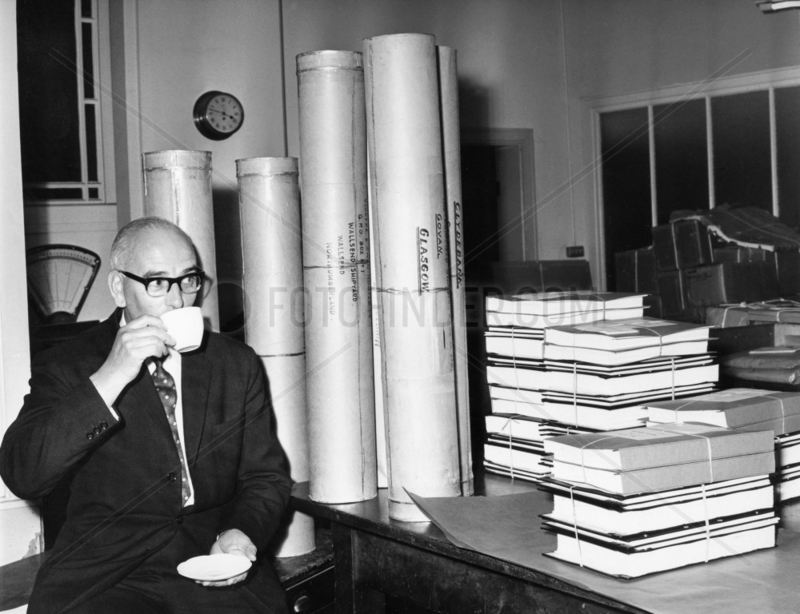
pixel 214 567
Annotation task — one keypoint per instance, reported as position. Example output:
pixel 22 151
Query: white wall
pixel 184 48
pixel 19 522
pixel 509 67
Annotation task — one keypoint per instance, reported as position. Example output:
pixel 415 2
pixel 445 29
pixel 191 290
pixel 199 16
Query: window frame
pixel 102 101
pixel 748 82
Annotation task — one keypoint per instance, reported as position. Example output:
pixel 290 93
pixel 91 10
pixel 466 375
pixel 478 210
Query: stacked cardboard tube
pixel 336 255
pixel 451 138
pixel 407 191
pixel 177 187
pixel 272 280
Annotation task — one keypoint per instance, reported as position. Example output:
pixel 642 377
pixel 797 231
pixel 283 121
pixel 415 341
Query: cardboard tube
pixel 273 289
pixel 380 419
pixel 338 332
pixel 409 218
pixel 451 137
pixel 177 187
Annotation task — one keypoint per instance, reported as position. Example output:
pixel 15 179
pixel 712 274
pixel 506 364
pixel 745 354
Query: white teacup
pixel 186 327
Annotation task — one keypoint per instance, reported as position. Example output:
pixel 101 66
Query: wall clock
pixel 218 115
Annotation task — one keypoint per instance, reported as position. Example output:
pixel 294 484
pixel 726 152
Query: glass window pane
pixel 91 143
pixel 742 164
pixel 48 91
pixel 30 194
pixel 86 8
pixel 94 193
pixel 787 124
pixel 88 64
pixel 625 151
pixel 681 151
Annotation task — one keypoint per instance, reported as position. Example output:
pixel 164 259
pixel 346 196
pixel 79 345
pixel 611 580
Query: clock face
pixel 218 115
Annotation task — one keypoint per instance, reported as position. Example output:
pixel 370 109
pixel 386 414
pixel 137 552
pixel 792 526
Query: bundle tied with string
pixel 709 464
pixel 272 281
pixel 736 408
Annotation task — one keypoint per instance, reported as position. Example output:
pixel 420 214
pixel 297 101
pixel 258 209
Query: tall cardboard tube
pixel 408 205
pixel 272 281
pixel 177 187
pixel 336 254
pixel 451 137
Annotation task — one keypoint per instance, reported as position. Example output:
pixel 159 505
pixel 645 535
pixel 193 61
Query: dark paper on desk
pixel 508 527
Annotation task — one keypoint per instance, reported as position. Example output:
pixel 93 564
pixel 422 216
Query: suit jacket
pixel 125 501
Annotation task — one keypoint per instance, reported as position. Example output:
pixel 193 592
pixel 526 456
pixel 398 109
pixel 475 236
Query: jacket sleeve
pixel 62 419
pixel 263 481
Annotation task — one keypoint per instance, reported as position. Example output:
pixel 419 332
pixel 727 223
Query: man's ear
pixel 116 288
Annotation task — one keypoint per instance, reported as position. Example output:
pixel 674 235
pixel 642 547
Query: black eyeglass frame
pixel 146 281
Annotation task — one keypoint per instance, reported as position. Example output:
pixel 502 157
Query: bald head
pixel 123 247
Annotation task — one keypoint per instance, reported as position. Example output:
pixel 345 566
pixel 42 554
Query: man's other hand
pixel 232 541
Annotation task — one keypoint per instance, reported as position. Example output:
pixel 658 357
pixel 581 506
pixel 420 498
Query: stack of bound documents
pixel 746 409
pixel 540 310
pixel 514 446
pixel 520 419
pixel 597 375
pixel 638 501
pixel 591 373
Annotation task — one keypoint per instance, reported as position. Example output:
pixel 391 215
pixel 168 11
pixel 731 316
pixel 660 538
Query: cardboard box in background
pixel 652 306
pixel 736 253
pixel 682 245
pixel 786 264
pixel 730 282
pixel 541 276
pixel 672 290
pixel 636 271
pixel 728 316
pixel 788 269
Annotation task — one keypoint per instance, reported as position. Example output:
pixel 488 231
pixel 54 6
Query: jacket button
pixel 97 430
pixel 103 426
pixel 89 435
pixel 173 477
pixel 179 519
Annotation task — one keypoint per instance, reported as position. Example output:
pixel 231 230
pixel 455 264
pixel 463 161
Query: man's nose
pixel 175 296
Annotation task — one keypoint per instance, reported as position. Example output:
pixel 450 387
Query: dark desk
pixel 375 557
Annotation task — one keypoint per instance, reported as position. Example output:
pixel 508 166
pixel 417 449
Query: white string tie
pixel 575 524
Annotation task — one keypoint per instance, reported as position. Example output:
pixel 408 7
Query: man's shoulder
pixel 221 346
pixel 91 341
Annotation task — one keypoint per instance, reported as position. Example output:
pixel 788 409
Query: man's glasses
pixel 159 286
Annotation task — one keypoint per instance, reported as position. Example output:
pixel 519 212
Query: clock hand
pixel 218 111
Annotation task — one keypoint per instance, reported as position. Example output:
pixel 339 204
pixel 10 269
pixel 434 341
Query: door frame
pixel 516 199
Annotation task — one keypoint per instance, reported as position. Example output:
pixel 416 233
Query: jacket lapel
pixel 195 385
pixel 144 394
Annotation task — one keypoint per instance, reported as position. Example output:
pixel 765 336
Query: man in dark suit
pixel 95 416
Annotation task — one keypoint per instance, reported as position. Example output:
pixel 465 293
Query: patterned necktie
pixel 165 385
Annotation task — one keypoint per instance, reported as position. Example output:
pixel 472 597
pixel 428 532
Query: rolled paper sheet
pixel 380 421
pixel 409 221
pixel 451 137
pixel 336 254
pixel 177 187
pixel 272 282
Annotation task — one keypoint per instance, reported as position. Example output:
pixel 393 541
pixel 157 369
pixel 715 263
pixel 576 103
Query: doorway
pixel 499 225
